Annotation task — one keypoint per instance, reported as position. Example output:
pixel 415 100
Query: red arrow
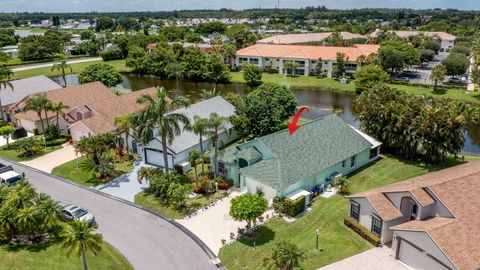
pixel 292 126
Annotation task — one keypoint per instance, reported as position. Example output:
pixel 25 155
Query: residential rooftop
pixel 307 52
pixel 307 37
pixel 25 87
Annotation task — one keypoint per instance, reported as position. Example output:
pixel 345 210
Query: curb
pixel 195 238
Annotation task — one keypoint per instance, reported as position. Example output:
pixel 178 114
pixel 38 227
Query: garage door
pixel 417 259
pixel 154 157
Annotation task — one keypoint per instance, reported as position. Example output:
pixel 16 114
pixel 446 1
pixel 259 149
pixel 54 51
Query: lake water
pixel 26 33
pixel 320 102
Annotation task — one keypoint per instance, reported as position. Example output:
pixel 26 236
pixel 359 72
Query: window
pixel 253 61
pixel 344 163
pixel 354 210
pixel 373 152
pixel 134 147
pixel 278 60
pixel 267 59
pixel 413 214
pixel 242 59
pixel 221 169
pixel 352 161
pixel 376 225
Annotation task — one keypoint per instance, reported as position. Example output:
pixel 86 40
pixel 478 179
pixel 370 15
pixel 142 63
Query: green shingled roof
pixel 315 146
pixel 249 154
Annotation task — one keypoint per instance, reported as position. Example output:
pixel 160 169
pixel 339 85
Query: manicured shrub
pixel 362 231
pixel 289 207
pixel 224 184
pixel 51 133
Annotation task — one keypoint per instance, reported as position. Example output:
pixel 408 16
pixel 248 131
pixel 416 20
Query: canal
pixel 320 102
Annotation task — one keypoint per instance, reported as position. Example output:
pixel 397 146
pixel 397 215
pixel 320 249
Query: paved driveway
pixel 145 239
pixel 373 259
pixel 51 160
pixel 126 186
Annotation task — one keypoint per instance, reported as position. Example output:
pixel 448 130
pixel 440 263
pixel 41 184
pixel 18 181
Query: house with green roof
pixel 280 164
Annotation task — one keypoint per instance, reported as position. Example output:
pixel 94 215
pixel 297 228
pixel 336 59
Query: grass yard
pixel 336 240
pixel 51 256
pixel 170 211
pixel 12 154
pixel 329 84
pixel 71 172
pixel 76 68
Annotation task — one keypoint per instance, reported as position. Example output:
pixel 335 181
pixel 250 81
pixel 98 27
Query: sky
pixel 158 5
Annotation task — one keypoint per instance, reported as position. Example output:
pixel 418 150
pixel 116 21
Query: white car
pixel 73 212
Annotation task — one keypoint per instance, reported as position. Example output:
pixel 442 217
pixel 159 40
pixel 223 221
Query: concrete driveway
pixel 126 186
pixel 373 259
pixel 147 240
pixel 51 160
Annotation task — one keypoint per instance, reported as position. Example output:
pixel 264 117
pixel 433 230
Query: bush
pixel 224 184
pixel 443 86
pixel 59 141
pixel 362 231
pixel 52 133
pixel 19 133
pixel 289 207
pixel 112 54
pixel 270 70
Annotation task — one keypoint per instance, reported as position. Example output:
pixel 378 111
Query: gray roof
pixel 315 146
pixel 203 109
pixel 24 87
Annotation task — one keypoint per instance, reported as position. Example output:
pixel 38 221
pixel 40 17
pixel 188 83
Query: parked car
pixel 457 80
pixel 73 212
pixel 10 177
pixel 401 79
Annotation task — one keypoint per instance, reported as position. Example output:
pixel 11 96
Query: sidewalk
pixel 29 67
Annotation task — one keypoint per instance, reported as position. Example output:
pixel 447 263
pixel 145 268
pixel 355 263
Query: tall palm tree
pixel 193 158
pixel 78 237
pixel 125 123
pixel 58 108
pixel 36 104
pixel 5 75
pixel 48 209
pixel 207 94
pixel 200 128
pixel 158 115
pixel 62 66
pixel 217 124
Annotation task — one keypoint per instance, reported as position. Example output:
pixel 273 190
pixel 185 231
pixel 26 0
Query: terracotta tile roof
pixel 305 38
pixel 73 96
pixel 406 34
pixel 307 52
pixel 458 188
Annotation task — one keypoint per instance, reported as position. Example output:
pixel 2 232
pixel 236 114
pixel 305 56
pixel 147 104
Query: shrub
pixel 59 141
pixel 52 133
pixel 289 207
pixel 112 54
pixel 224 184
pixel 19 133
pixel 443 86
pixel 362 231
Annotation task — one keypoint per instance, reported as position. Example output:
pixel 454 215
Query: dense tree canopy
pixel 104 73
pixel 395 55
pixel 248 207
pixel 368 76
pixel 455 64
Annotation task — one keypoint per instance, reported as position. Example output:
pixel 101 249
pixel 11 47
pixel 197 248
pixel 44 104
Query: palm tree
pixel 200 128
pixel 5 75
pixel 48 209
pixel 287 256
pixel 217 124
pixel 58 108
pixel 158 115
pixel 62 66
pixel 125 123
pixel 207 94
pixel 174 70
pixel 193 158
pixel 36 104
pixel 78 237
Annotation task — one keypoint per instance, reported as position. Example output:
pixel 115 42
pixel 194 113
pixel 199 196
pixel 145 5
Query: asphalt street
pixel 145 239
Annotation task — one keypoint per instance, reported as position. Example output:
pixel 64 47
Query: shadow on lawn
pixel 264 235
pixel 10 247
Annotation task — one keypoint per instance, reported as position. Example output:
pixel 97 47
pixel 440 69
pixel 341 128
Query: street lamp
pixel 317 232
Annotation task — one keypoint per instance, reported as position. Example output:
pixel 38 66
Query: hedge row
pixel 289 207
pixel 362 231
pixel 440 86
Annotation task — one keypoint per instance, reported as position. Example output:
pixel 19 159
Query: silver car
pixel 73 212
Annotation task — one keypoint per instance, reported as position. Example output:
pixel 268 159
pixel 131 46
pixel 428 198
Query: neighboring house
pixel 180 148
pixel 280 164
pixel 92 109
pixel 447 41
pixel 21 89
pixel 431 221
pixel 291 39
pixel 274 56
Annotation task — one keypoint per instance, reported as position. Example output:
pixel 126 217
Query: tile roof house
pixel 430 220
pixel 290 39
pixel 274 56
pixel 181 146
pixel 92 109
pixel 23 88
pixel 447 41
pixel 280 164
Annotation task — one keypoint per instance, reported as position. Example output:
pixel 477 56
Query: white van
pixel 10 177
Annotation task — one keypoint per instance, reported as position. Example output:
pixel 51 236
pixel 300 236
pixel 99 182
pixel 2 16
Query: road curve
pixel 145 239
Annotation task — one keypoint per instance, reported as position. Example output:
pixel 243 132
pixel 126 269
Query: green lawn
pixel 336 240
pixel 76 68
pixel 12 154
pixel 71 172
pixel 173 212
pixel 329 84
pixel 49 257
